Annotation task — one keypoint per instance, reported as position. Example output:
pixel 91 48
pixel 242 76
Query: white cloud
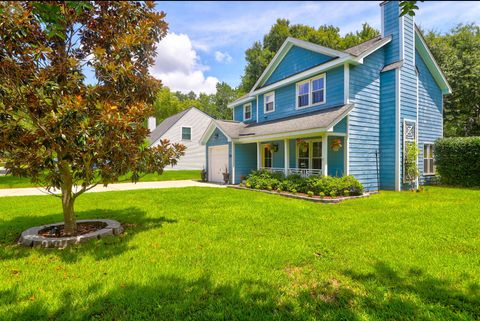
pixel 223 57
pixel 178 66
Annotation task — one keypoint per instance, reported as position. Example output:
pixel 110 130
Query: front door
pixel 217 163
pixel 267 156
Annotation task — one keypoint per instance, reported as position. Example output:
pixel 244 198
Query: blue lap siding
pixel 364 125
pixel 245 160
pixel 430 113
pixel 285 98
pixel 296 60
pixel 387 129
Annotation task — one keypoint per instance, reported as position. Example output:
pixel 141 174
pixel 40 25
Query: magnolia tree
pixel 56 129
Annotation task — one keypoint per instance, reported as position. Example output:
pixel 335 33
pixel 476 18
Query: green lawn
pixel 9 181
pixel 203 254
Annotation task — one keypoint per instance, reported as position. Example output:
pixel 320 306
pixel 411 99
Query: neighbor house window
pixel 269 102
pixel 303 94
pixel 247 112
pixel 186 133
pixel 428 159
pixel 311 92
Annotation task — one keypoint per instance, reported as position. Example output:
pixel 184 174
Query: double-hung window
pixel 303 96
pixel 269 105
pixel 186 133
pixel 309 154
pixel 311 92
pixel 318 90
pixel 247 112
pixel 428 159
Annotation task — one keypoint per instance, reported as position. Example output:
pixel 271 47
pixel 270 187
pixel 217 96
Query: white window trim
pixel 310 152
pixel 187 140
pixel 272 93
pixel 428 173
pixel 244 110
pixel 310 91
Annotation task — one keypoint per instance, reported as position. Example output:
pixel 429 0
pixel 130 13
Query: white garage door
pixel 217 161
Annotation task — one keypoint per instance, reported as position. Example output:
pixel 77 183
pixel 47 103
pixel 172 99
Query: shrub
pixel 321 194
pixel 310 194
pixel 318 185
pixel 458 160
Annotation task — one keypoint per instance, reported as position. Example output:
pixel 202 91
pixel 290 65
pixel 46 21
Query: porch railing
pixel 303 172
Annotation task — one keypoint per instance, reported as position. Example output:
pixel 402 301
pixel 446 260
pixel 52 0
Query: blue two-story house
pixel 320 111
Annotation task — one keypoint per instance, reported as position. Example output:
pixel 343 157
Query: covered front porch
pixel 324 154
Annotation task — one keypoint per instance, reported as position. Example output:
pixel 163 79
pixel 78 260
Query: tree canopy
pixel 168 103
pixel 458 55
pixel 59 131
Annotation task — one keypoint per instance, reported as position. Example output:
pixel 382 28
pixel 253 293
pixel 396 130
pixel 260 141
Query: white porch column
pixel 233 163
pixel 259 157
pixel 325 155
pixel 286 159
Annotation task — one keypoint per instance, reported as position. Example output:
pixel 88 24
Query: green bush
pixel 318 185
pixel 458 160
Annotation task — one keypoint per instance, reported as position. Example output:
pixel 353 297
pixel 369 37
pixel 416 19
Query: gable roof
pixel 286 46
pixel 432 65
pixel 321 120
pixel 352 55
pixel 167 123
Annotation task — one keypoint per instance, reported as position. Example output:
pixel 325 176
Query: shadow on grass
pixel 410 292
pixel 384 295
pixel 133 220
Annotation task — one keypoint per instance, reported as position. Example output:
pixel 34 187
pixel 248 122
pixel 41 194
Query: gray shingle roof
pixel 358 50
pixel 165 125
pixel 317 119
pixel 392 66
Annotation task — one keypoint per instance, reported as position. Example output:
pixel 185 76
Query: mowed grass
pixel 9 181
pixel 208 254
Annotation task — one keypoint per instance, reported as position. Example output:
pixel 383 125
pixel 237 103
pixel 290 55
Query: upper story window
pixel 269 102
pixel 311 92
pixel 186 133
pixel 428 159
pixel 247 112
pixel 303 97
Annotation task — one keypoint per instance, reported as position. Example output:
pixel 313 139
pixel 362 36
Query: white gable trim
pixel 286 46
pixel 435 70
pixel 210 129
pixel 345 59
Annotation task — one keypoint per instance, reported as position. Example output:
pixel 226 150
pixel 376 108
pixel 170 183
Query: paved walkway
pixel 112 187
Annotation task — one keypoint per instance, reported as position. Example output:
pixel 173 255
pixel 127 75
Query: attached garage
pixel 218 164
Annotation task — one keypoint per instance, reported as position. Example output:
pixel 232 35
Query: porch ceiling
pixel 321 120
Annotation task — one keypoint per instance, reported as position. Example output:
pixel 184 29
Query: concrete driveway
pixel 112 187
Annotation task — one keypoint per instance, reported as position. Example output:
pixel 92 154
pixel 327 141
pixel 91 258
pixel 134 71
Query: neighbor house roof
pixel 321 120
pixel 167 123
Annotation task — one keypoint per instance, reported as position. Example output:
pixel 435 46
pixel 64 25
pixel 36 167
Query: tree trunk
pixel 68 200
pixel 70 227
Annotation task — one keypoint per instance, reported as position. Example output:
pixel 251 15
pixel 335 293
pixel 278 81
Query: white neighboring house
pixel 186 128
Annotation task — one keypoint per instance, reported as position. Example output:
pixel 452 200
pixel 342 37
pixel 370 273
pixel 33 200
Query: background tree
pixel 458 54
pixel 168 103
pixel 259 55
pixel 55 129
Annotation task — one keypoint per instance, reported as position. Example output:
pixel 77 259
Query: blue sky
pixel 207 40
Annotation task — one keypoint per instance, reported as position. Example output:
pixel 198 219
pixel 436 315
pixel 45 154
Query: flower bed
pixel 315 186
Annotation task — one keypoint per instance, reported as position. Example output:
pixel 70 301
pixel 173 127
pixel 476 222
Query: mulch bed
pixel 316 199
pixel 57 231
